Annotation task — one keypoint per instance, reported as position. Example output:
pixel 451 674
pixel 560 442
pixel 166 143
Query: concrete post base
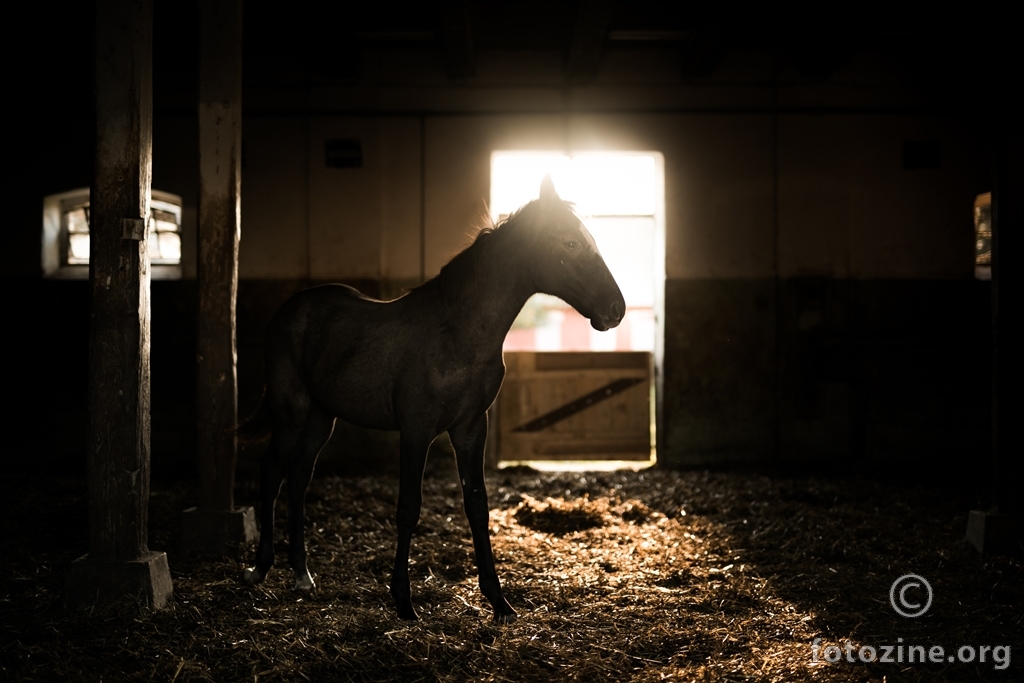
pixel 218 532
pixel 995 534
pixel 146 579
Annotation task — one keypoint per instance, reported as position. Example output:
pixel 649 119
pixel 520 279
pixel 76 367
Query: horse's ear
pixel 547 190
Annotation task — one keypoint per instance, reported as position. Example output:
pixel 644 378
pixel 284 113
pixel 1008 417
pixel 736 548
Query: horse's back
pixel 314 306
pixel 337 346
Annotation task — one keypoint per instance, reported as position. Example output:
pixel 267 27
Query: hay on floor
pixel 616 576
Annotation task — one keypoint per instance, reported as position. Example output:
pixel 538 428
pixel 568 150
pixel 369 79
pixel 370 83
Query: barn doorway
pixel 575 398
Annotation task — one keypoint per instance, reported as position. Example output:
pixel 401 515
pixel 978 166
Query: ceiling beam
pixel 588 38
pixel 702 52
pixel 456 31
pixel 821 56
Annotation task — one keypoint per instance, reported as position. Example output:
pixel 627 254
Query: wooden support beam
pixel 702 52
pixel 1007 233
pixel 220 169
pixel 119 562
pixel 1001 530
pixel 588 39
pixel 456 29
pixel 216 526
pixel 819 54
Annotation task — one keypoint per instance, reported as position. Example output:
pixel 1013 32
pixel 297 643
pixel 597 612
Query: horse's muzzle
pixel 610 318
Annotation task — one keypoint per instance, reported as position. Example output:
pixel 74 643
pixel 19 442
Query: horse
pixel 423 364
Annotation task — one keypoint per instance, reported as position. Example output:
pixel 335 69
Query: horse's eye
pixel 569 244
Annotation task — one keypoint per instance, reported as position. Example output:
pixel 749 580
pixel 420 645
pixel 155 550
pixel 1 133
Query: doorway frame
pixel 658 275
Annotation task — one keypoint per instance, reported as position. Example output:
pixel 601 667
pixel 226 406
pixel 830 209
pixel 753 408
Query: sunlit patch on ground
pixel 580 466
pixel 615 575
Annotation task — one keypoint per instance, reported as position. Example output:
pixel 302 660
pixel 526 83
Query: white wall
pixel 846 207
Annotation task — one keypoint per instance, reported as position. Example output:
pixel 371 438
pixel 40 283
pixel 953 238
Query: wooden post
pixel 119 562
pixel 1001 531
pixel 1008 211
pixel 216 526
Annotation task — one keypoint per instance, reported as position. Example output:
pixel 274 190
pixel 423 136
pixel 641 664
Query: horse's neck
pixel 493 302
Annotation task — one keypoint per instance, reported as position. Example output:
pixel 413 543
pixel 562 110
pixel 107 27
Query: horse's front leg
pixel 468 439
pixel 413 458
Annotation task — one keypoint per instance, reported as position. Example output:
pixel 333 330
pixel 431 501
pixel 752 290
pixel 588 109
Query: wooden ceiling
pixel 305 42
pixel 328 39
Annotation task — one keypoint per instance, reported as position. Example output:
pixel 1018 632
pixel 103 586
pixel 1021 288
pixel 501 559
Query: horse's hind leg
pixel 274 467
pixel 314 435
pixel 468 439
pixel 410 499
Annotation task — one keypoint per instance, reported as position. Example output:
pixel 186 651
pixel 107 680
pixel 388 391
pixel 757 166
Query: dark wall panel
pixel 719 371
pixel 871 374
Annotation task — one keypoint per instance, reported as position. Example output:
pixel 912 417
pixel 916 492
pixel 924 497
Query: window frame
pixel 56 240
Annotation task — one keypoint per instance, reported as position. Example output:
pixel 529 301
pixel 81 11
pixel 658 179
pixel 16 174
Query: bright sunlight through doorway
pixel 620 198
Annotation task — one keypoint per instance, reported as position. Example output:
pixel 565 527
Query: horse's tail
pixel 256 427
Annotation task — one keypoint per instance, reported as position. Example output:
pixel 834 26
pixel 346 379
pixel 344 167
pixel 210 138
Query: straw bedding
pixel 646 576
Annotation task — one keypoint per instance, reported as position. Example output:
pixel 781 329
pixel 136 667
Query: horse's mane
pixel 462 272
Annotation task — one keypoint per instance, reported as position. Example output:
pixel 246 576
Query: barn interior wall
pixel 820 305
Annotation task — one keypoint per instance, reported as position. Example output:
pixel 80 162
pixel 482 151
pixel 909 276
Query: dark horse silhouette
pixel 425 363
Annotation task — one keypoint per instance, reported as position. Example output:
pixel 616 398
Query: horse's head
pixel 566 262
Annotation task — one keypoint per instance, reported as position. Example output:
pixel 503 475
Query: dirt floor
pixel 646 576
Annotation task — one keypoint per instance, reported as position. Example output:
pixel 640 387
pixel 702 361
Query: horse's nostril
pixel 616 310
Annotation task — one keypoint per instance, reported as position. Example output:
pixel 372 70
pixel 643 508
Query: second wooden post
pixel 216 526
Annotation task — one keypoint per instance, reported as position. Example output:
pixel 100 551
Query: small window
pixel 66 235
pixel 983 236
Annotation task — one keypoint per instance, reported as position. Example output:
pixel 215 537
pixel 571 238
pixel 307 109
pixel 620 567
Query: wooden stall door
pixel 574 406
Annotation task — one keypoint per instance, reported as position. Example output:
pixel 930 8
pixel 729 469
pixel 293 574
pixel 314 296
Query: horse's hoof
pixel 505 617
pixel 305 586
pixel 406 611
pixel 252 576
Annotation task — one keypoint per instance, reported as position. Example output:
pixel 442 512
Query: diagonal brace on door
pixel 581 403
